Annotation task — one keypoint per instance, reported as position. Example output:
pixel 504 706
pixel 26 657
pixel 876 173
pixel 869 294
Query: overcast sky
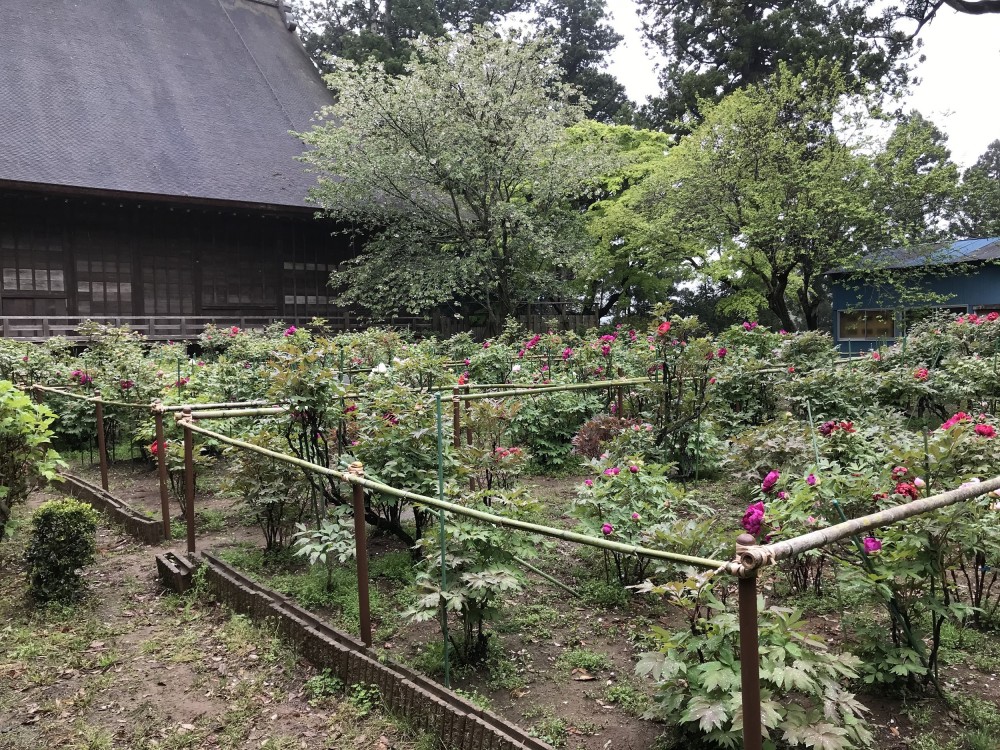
pixel 960 79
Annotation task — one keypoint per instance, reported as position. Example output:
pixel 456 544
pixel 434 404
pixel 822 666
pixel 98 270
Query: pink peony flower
pixel 291 331
pixel 811 520
pixel 876 356
pixel 955 419
pixel 907 490
pixel 782 495
pixel 993 316
pixel 921 373
pixel 664 328
pixel 635 516
pixel 567 353
pixel 589 482
pixel 607 529
pixel 634 469
pixel 919 483
pixel 811 480
pixel 899 472
pixel 749 326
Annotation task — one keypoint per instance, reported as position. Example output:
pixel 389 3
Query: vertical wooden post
pixel 161 465
pixel 468 422
pixel 102 448
pixel 753 738
pixel 361 554
pixel 189 479
pixel 456 412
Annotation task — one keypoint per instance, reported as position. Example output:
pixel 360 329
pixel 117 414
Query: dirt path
pixel 134 668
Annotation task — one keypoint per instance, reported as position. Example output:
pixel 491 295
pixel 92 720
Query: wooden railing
pixel 187 327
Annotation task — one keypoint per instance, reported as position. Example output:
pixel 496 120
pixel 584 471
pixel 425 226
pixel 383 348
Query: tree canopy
pixel 459 173
pixel 764 196
pixel 586 41
pixel 978 209
pixel 358 30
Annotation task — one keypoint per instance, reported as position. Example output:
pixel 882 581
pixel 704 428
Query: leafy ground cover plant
pixel 481 569
pixel 697 674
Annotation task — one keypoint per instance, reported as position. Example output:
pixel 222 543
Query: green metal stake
pixel 441 538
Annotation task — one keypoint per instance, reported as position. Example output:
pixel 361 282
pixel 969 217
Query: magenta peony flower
pixel 291 331
pixel 872 545
pixel 770 480
pixel 986 431
pixel 589 482
pixel 567 353
pixel 782 495
pixel 753 518
pixel 607 529
pixel 811 480
pixel 723 351
pixel 954 419
pixel 635 469
pixel 635 516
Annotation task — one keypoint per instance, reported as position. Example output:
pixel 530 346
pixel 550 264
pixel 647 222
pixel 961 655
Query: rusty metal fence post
pixel 102 446
pixel 189 479
pixel 753 738
pixel 161 465
pixel 361 555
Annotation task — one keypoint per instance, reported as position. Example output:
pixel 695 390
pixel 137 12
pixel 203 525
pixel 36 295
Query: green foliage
pixel 330 543
pixel 322 686
pixel 623 503
pixel 767 178
pixel 271 491
pixel 480 571
pixel 62 541
pixel 697 676
pixel 979 196
pixel 546 424
pixel 26 455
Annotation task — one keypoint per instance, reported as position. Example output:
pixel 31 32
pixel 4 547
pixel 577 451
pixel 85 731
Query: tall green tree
pixel 714 47
pixel 360 30
pixel 915 181
pixel 979 196
pixel 764 196
pixel 625 271
pixel 458 173
pixel 586 40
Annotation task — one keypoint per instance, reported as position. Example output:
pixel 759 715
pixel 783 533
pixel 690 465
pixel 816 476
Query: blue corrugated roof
pixel 937 254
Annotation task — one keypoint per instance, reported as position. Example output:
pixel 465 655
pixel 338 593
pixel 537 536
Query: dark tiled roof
pixel 187 98
pixel 935 254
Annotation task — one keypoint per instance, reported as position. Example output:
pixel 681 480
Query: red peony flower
pixel 664 328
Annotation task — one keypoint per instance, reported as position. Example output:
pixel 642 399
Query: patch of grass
pixel 394 566
pixel 476 698
pixel 364 698
pixel 628 697
pixel 581 658
pixel 209 520
pixel 532 620
pixel 603 594
pixel 551 729
pixel 503 670
pixel 969 646
pixel 322 686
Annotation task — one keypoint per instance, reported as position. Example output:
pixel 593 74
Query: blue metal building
pixel 964 275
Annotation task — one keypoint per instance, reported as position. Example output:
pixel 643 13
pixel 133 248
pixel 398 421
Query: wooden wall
pixel 86 256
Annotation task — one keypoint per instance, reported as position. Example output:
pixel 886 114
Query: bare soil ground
pixel 131 667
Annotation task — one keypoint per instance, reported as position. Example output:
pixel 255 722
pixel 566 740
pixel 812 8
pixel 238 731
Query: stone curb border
pixel 426 705
pixel 147 530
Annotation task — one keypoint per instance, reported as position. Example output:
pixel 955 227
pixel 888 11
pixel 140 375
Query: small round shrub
pixel 62 542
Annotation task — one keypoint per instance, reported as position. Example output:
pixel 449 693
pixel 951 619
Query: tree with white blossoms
pixel 458 175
